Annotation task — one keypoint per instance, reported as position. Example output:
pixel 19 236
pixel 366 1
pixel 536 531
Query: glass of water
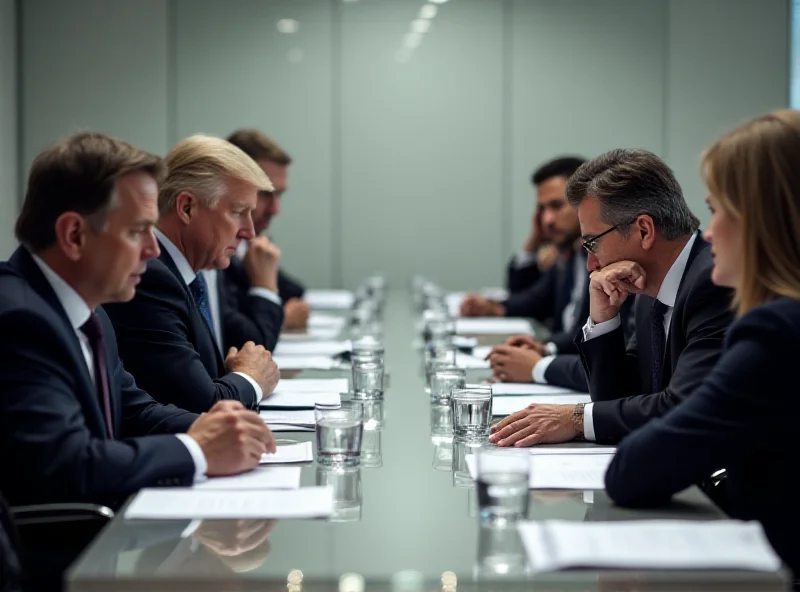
pixel 472 413
pixel 444 380
pixel 367 378
pixel 339 433
pixel 502 482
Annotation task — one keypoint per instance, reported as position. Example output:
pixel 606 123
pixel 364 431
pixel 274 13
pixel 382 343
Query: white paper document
pixel 528 388
pixel 559 471
pixel 289 453
pixel 469 362
pixel 481 351
pixel 554 545
pixel 461 341
pixel 311 348
pixel 308 393
pixel 258 478
pixel 318 320
pixel 305 362
pixel 295 417
pixel 566 449
pixel 330 299
pixel 502 406
pixel 493 326
pixel 188 504
pixel 284 427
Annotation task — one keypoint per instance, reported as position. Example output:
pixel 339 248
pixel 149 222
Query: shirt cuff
pixel 254 384
pixel 270 295
pixel 540 368
pixel 199 459
pixel 524 259
pixel 592 330
pixel 588 422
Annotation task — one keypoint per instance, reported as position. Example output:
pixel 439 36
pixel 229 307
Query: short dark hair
pixel 77 174
pixel 258 146
pixel 630 183
pixel 562 166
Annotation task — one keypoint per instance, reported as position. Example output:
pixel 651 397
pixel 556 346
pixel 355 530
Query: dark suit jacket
pixel 546 300
pixel 165 342
pixel 10 568
pixel 519 279
pixel 620 378
pixel 289 287
pixel 246 317
pixel 53 438
pixel 742 417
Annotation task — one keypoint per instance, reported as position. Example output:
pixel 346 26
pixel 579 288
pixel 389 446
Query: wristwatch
pixel 577 420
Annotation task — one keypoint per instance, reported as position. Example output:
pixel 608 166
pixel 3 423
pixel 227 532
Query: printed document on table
pixel 182 503
pixel 554 545
pixel 492 326
pixel 286 396
pixel 312 348
pixel 289 453
pixel 559 471
pixel 469 362
pixel 259 478
pixel 502 406
pixel 330 299
pixel 567 449
pixel 303 362
pixel 300 417
pixel 528 388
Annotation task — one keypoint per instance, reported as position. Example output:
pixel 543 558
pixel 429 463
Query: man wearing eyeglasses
pixel 642 239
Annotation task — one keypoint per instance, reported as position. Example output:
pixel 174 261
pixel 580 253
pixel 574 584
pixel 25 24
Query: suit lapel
pixel 22 262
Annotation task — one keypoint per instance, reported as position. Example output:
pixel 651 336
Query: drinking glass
pixel 339 432
pixel 502 478
pixel 444 380
pixel 367 378
pixel 472 413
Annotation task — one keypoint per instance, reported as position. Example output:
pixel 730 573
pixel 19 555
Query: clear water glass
pixel 339 433
pixel 472 413
pixel 367 348
pixel 346 483
pixel 367 378
pixel 502 482
pixel 438 357
pixel 371 449
pixel 501 555
pixel 441 423
pixel 444 380
pixel 373 414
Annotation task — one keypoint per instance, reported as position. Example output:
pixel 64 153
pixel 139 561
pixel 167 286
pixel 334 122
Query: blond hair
pixel 203 165
pixel 753 172
pixel 258 146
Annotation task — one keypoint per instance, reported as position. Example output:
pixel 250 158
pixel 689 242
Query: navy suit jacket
pixel 53 438
pixel 246 317
pixel 166 343
pixel 743 418
pixel 621 377
pixel 520 278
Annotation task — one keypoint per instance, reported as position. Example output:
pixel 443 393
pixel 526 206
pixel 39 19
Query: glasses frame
pixel 590 246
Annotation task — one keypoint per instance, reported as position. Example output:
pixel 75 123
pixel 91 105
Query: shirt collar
pixel 186 271
pixel 672 281
pixel 78 312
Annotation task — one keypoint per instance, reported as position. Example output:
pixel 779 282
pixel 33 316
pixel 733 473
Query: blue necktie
pixel 199 290
pixel 658 338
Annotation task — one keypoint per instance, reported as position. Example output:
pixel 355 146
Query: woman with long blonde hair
pixel 745 416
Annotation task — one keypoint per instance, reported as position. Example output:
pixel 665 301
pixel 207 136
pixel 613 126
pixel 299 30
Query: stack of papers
pixel 306 393
pixel 289 421
pixel 190 504
pixel 648 544
pixel 289 453
pixel 322 326
pixel 493 326
pixel 329 299
pixel 567 470
pixel 305 362
pixel 311 348
pixel 502 406
pixel 258 478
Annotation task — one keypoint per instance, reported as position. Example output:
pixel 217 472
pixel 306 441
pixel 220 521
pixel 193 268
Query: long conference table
pixel 417 520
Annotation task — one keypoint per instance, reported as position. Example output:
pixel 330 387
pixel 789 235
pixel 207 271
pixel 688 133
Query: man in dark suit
pixel 10 571
pixel 641 239
pixel 275 162
pixel 558 294
pixel 167 335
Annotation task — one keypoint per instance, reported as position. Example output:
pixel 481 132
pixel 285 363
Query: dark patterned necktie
pixel 94 332
pixel 199 290
pixel 659 339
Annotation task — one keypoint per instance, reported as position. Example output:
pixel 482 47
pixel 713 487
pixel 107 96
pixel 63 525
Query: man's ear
pixel 71 229
pixel 646 229
pixel 186 206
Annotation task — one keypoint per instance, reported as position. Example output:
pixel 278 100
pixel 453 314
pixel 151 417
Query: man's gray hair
pixel 629 183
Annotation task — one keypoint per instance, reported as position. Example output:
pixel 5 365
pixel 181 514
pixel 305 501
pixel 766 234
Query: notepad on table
pixel 469 362
pixel 304 362
pixel 554 545
pixel 574 471
pixel 289 453
pixel 329 299
pixel 312 348
pixel 305 393
pixel 502 406
pixel 493 326
pixel 190 504
pixel 259 478
pixel 289 420
pixel 528 388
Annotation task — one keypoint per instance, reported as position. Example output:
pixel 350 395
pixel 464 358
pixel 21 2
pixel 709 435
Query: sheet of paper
pixel 493 326
pixel 329 299
pixel 481 351
pixel 566 449
pixel 312 385
pixel 528 388
pixel 502 406
pixel 312 348
pixel 306 392
pixel 554 545
pixel 558 471
pixel 305 362
pixel 258 478
pixel 299 417
pixel 187 504
pixel 318 320
pixel 283 427
pixel 289 453
pixel 461 341
pixel 470 362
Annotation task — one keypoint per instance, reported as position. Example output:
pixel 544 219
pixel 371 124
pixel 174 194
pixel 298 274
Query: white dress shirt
pixel 188 275
pixel 667 294
pixel 78 313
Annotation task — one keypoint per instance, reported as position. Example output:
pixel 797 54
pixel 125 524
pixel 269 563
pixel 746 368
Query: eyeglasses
pixel 591 244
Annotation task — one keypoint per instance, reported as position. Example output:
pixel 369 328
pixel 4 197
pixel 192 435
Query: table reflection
pixel 461 449
pixel 346 483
